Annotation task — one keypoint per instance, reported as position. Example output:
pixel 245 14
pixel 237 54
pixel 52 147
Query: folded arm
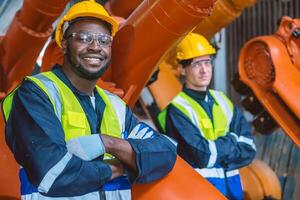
pixel 196 149
pixel 35 136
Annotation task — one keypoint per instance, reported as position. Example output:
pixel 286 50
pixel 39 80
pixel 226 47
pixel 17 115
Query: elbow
pixel 252 156
pixel 154 165
pixel 161 166
pixel 202 163
pixel 248 159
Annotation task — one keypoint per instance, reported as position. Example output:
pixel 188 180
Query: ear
pixel 64 44
pixel 182 70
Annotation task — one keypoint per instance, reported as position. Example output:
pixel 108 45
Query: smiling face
pixel 198 74
pixel 85 52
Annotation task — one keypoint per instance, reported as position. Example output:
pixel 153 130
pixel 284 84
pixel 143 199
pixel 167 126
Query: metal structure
pixel 276 149
pixel 146 38
pixel 167 20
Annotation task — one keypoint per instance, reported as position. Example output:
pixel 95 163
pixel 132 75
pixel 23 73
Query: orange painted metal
pixel 269 65
pixel 19 49
pixel 259 181
pixel 223 13
pixel 9 169
pixel 252 188
pixel 122 8
pixel 147 34
pixel 183 182
pixel 137 50
pixel 52 55
pixel 27 34
pixel 166 87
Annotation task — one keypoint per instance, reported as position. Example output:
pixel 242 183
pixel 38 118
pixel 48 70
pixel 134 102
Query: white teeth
pixel 92 59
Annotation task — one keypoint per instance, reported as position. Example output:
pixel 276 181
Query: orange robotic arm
pixel 19 49
pixel 147 34
pixel 270 66
pixel 26 36
pixel 223 13
pixel 138 47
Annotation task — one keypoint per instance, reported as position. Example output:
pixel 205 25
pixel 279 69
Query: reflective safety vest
pixel 222 112
pixel 75 123
pixel 226 182
pixel 69 111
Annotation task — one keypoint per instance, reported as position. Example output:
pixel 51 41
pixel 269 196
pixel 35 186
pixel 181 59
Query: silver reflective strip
pixel 119 108
pixel 170 139
pixel 234 135
pixel 141 131
pixel 187 106
pixel 224 105
pixel 216 172
pixel 38 196
pixel 211 144
pixel 118 195
pixel 247 141
pixel 53 173
pixel 232 173
pixel 213 153
pixel 53 92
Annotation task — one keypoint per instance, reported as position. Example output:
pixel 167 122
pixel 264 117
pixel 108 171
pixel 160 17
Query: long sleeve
pixel 232 151
pixel 192 146
pixel 245 150
pixel 36 137
pixel 155 155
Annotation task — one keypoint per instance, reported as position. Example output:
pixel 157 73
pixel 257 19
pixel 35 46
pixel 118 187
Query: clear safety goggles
pixel 87 38
pixel 201 63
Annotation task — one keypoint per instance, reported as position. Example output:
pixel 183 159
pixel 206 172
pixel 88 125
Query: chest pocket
pixel 206 123
pixel 75 124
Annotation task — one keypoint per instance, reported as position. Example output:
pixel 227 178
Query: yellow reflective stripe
pixel 119 107
pixel 222 112
pixel 205 123
pixel 225 103
pixel 7 104
pixel 110 123
pixel 162 117
pixel 187 109
pixel 73 119
pixel 219 120
pixel 113 120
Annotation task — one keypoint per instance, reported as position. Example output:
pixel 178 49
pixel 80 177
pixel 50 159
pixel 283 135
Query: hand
pixel 86 147
pixel 121 149
pixel 116 167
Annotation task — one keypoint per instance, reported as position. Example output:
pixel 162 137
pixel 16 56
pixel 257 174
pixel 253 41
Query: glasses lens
pixel 84 38
pixel 205 63
pixel 104 39
pixel 88 38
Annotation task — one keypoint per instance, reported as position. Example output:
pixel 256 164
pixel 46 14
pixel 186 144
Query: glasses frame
pixel 203 63
pixel 95 37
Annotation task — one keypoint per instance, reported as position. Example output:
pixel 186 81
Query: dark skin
pixel 92 58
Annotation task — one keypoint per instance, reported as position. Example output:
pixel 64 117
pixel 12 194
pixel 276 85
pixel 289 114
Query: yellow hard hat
pixel 192 46
pixel 88 8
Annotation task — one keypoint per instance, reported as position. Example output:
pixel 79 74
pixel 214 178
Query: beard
pixel 78 69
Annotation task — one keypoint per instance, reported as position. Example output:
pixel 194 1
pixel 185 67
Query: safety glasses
pixel 87 38
pixel 204 63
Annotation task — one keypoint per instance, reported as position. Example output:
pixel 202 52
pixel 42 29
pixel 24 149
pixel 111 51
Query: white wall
pixel 220 68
